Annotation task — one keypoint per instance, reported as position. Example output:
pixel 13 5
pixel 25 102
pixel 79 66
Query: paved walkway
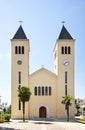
pixel 41 125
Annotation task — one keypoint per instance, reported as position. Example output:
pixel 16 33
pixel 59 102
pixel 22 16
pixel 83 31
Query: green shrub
pixel 1 117
pixel 1 120
pixel 82 119
pixel 7 117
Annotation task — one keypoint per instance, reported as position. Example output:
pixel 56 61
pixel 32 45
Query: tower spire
pixel 64 34
pixel 20 34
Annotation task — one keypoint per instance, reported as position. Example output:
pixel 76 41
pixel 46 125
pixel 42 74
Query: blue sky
pixel 42 25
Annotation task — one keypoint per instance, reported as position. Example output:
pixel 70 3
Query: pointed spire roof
pixel 20 34
pixel 64 34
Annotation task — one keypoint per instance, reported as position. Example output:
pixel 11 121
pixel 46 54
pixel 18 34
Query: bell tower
pixel 20 49
pixel 64 68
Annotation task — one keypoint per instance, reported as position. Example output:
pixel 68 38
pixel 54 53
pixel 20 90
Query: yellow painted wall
pixel 44 78
pixel 24 69
pixel 60 71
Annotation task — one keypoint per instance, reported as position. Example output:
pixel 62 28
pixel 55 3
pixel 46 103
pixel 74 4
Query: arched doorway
pixel 42 112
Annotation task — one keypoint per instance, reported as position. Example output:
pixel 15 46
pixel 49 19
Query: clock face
pixel 19 62
pixel 66 62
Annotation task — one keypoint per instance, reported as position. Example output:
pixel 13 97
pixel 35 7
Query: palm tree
pixel 77 105
pixel 67 101
pixel 24 96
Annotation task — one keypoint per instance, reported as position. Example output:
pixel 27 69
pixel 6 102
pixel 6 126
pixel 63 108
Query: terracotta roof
pixel 20 34
pixel 64 34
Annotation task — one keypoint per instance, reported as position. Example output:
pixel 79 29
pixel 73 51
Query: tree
pixel 77 105
pixel 67 101
pixel 24 96
pixel 8 110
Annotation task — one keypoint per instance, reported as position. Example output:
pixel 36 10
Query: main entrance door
pixel 42 112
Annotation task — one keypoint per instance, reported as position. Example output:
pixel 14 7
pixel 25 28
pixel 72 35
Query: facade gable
pixel 43 70
pixel 42 77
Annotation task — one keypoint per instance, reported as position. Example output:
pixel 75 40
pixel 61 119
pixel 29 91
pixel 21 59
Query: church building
pixel 47 88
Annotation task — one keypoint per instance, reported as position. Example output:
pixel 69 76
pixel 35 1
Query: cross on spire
pixel 63 22
pixel 20 22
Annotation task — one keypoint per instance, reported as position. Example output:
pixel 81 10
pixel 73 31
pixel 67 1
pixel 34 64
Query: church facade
pixel 47 88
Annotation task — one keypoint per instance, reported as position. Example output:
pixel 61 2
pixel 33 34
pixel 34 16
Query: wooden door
pixel 42 112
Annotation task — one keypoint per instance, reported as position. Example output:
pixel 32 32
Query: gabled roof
pixel 45 70
pixel 20 34
pixel 64 34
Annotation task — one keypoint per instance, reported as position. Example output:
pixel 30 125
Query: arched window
pixel 19 77
pixel 65 50
pixel 69 50
pixel 65 76
pixel 46 90
pixel 49 90
pixel 35 90
pixel 62 50
pixel 66 89
pixel 15 49
pixel 19 50
pixel 42 90
pixel 22 49
pixel 39 91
